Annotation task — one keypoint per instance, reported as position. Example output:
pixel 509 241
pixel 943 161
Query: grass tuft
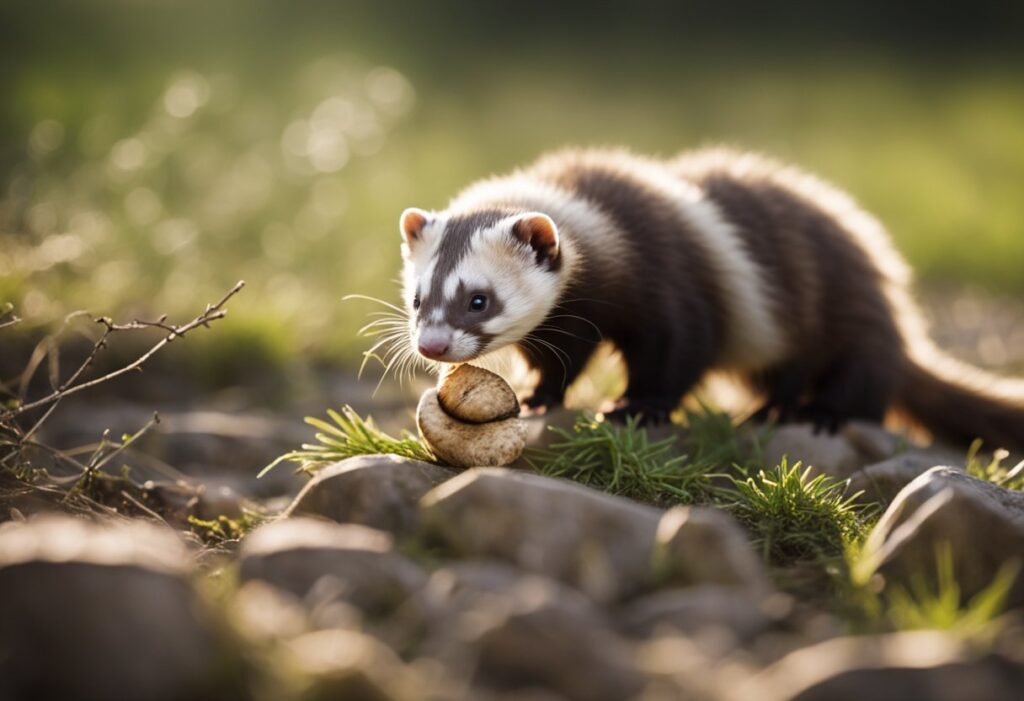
pixel 348 435
pixel 619 459
pixel 794 517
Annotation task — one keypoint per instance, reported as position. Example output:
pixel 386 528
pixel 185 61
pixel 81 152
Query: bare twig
pixel 212 313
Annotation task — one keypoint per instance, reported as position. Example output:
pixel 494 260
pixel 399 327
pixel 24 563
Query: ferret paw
pixel 823 418
pixel 540 402
pixel 645 413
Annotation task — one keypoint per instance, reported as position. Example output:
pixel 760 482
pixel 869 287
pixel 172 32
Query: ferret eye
pixel 416 302
pixel 478 303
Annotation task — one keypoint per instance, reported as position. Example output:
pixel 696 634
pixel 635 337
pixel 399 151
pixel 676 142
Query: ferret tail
pixel 959 402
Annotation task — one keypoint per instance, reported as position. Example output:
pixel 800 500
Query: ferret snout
pixel 434 342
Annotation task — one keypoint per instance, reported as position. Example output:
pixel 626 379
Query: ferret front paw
pixel 540 402
pixel 646 413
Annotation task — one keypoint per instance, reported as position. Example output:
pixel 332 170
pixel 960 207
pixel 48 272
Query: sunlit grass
pixel 218 177
pixel 993 470
pixel 929 600
pixel 621 460
pixel 794 517
pixel 346 435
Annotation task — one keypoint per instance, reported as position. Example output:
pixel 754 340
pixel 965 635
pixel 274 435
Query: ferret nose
pixel 433 343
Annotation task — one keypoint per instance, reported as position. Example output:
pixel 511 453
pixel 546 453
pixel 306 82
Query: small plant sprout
pixel 994 471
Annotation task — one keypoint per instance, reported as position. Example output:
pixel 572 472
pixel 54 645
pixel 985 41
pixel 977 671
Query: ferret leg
pixel 660 375
pixel 783 386
pixel 559 359
pixel 859 386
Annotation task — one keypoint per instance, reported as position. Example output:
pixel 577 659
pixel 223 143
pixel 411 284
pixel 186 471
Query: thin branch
pixel 212 313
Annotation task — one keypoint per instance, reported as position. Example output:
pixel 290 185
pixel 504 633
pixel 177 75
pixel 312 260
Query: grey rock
pixel 380 491
pixel 830 453
pixel 882 481
pixel 599 543
pixel 871 441
pixel 981 524
pixel 347 664
pixel 320 562
pixel 567 649
pixel 431 615
pixel 104 611
pixel 728 615
pixel 702 545
pixel 513 632
pixel 924 666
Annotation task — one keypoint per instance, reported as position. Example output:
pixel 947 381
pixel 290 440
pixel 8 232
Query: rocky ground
pixel 388 578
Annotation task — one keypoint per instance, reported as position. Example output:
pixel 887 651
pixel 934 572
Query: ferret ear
pixel 411 224
pixel 539 232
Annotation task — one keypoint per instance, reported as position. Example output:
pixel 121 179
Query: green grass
pixel 621 460
pixel 795 517
pixel 931 600
pixel 346 435
pixel 993 470
pixel 220 195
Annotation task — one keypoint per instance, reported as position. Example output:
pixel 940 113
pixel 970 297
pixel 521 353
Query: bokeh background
pixel 153 152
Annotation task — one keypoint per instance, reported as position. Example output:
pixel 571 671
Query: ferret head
pixel 477 281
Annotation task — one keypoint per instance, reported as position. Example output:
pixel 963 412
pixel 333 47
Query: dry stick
pixel 213 312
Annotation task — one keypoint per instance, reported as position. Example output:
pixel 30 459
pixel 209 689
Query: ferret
pixel 713 260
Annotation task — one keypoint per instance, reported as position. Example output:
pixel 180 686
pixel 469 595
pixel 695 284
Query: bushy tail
pixel 959 402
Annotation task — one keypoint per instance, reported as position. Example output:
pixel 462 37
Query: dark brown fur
pixel 850 351
pixel 661 301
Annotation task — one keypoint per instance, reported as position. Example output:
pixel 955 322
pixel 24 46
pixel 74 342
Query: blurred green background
pixel 152 152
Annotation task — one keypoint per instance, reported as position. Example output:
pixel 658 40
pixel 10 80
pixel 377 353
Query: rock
pixel 982 526
pixel 463 444
pixel 323 562
pixel 923 665
pixel 830 453
pixel 103 611
pixel 475 395
pixel 871 441
pixel 703 545
pixel 882 481
pixel 599 543
pixel 539 641
pixel 509 631
pixel 726 615
pixel 346 664
pixel 431 616
pixel 380 491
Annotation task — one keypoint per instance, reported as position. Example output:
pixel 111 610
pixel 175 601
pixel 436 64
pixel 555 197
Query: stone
pixel 433 613
pixel 882 481
pixel 599 543
pixel 462 444
pixel 379 491
pixel 508 631
pixel 321 562
pixel 703 545
pixel 872 441
pixel 830 453
pixel 981 524
pixel 475 395
pixel 347 664
pixel 920 665
pixel 539 641
pixel 727 615
pixel 105 610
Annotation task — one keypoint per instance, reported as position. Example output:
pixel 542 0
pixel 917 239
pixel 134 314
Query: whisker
pixel 373 299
